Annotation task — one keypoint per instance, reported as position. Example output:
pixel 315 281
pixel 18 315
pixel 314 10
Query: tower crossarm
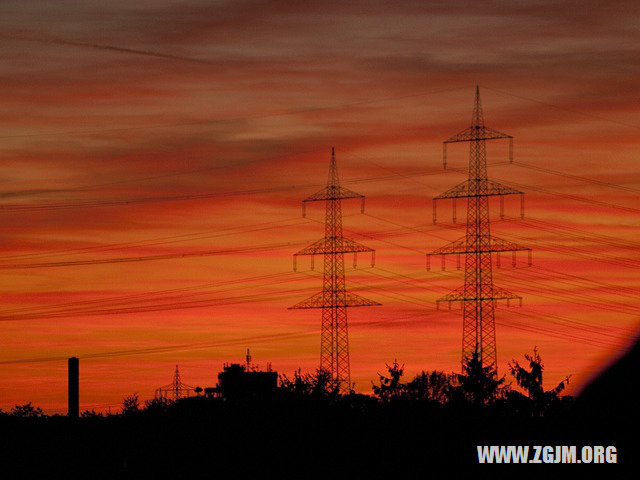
pixel 334 299
pixel 475 133
pixel 469 188
pixel 458 295
pixel 332 192
pixel 334 245
pixel 461 247
pixel 499 245
pixel 331 246
pixel 474 188
pixel 456 247
pixel 494 245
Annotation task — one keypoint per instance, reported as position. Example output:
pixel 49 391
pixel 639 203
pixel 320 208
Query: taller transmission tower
pixel 334 298
pixel 478 296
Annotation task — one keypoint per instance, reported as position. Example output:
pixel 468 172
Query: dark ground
pixel 203 438
pixel 307 437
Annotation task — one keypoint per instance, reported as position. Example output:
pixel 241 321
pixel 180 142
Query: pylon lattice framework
pixel 478 296
pixel 334 298
pixel 175 389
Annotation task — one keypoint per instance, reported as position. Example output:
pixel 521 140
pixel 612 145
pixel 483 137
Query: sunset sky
pixel 154 156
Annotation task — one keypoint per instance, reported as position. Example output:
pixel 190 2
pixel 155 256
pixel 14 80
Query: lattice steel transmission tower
pixel 334 298
pixel 478 296
pixel 175 389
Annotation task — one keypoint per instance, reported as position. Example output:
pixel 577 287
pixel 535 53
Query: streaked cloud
pixel 167 128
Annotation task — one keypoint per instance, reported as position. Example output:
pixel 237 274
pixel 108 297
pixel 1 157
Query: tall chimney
pixel 74 388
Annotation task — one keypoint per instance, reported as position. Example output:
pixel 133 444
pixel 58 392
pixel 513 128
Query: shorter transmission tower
pixel 175 390
pixel 334 298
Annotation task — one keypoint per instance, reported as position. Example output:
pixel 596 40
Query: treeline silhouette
pixel 306 428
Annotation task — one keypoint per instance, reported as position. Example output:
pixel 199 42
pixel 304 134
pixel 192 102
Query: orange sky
pixel 138 129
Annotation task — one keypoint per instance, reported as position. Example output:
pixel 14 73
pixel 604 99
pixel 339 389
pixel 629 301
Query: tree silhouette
pixel 323 385
pixel 531 381
pixel 431 386
pixel 478 385
pixel 390 387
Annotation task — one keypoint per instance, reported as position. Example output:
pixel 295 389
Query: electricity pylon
pixel 175 389
pixel 478 295
pixel 334 298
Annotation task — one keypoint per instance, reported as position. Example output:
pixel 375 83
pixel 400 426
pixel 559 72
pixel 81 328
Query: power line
pixel 205 122
pixel 179 198
pixel 576 177
pixel 171 348
pixel 166 304
pixel 166 240
pixel 147 258
pixel 567 251
pixel 541 316
pixel 578 112
pixel 529 328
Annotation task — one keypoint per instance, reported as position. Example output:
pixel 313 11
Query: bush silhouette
pixel 26 411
